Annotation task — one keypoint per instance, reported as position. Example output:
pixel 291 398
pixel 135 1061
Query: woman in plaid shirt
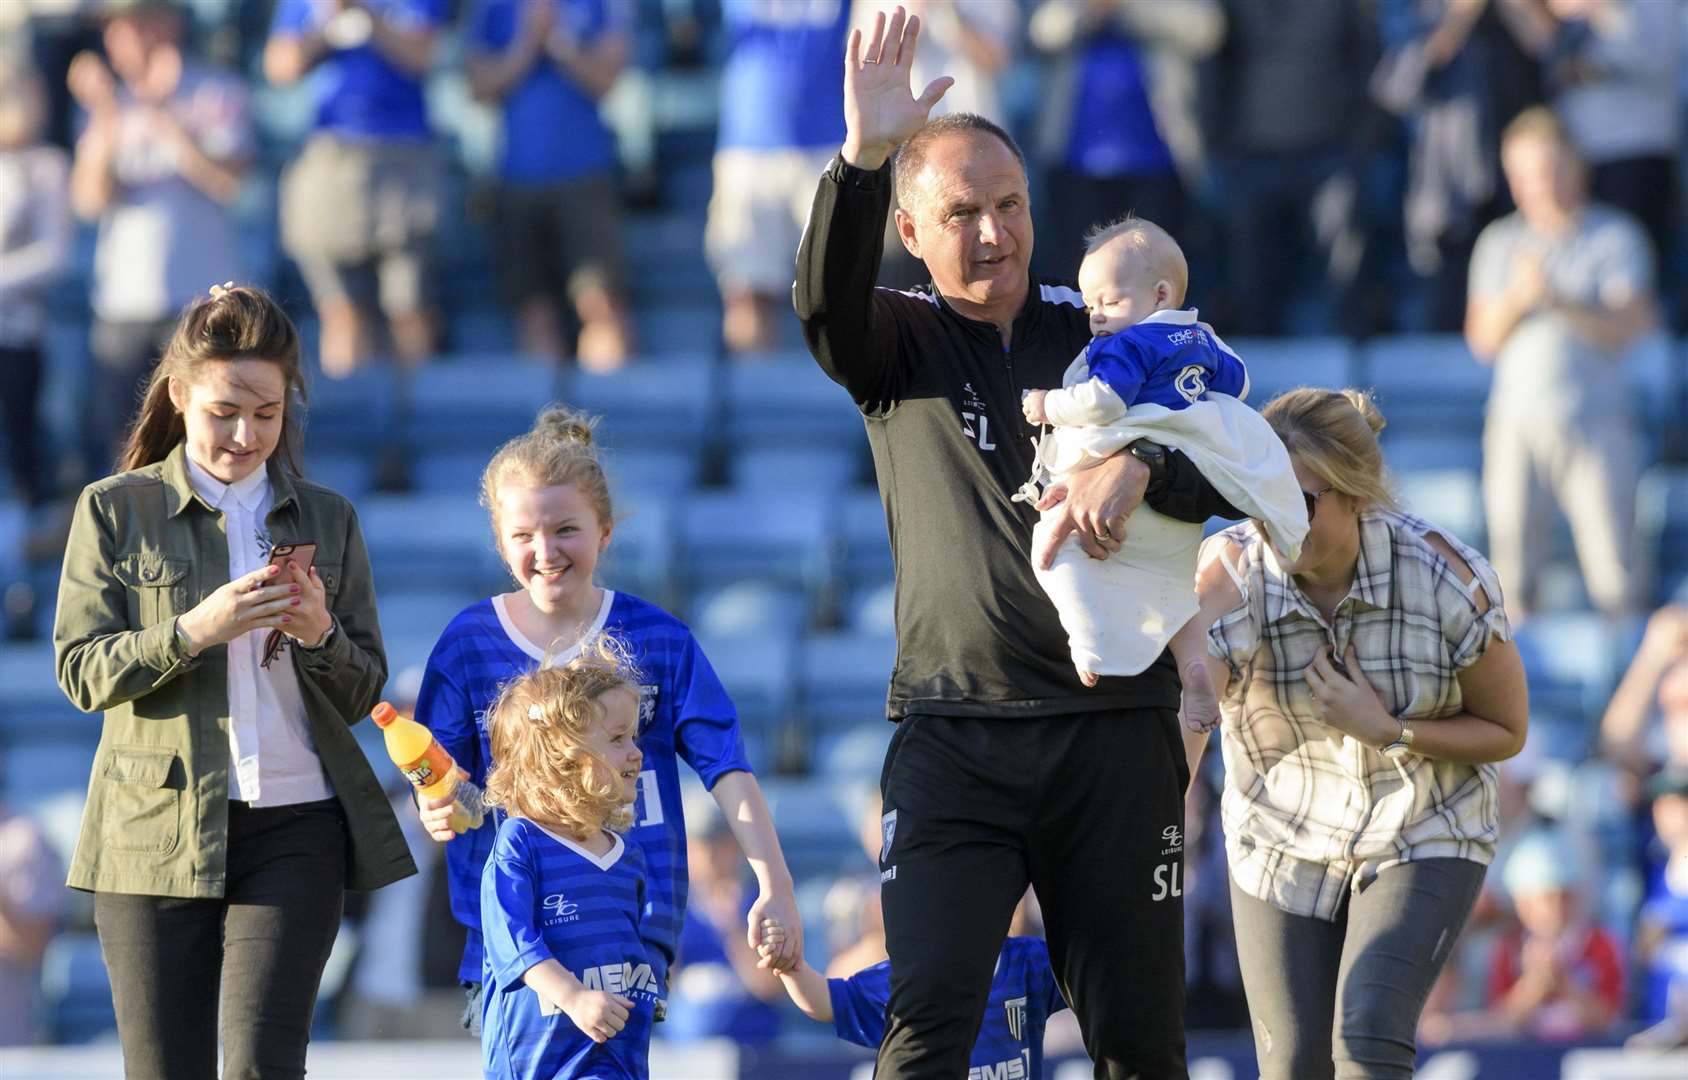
pixel 1369 688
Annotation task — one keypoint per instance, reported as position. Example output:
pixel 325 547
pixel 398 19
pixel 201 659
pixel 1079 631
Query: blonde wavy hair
pixel 541 768
pixel 1334 434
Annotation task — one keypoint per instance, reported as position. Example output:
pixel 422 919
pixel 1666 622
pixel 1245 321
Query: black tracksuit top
pixel 976 635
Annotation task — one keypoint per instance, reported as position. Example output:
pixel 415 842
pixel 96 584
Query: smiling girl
pixel 552 520
pixel 229 807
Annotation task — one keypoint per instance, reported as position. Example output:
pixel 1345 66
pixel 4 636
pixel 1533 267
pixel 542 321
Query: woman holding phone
pixel 219 609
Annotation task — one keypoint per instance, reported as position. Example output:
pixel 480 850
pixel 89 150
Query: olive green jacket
pixel 143 549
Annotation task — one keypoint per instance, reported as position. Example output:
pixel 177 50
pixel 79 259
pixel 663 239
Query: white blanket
pixel 1120 612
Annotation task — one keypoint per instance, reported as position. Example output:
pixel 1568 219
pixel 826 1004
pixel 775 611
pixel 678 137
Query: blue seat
pixel 642 558
pixel 436 541
pixel 1570 663
pixel 819 468
pixel 738 535
pixel 30 698
pixel 1658 372
pixel 862 549
pixel 1662 515
pixel 1407 448
pixel 1428 379
pixel 784 399
pixel 1279 364
pixel 755 667
pixel 76 989
pixel 484 398
pixel 353 414
pixel 406 609
pixel 816 822
pixel 873 609
pixel 750 607
pixel 843 677
pixel 666 402
pixel 1450 498
pixel 645 472
pixel 43 767
pixel 685 329
pixel 856 753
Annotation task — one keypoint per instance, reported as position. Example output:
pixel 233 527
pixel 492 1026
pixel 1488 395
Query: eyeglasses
pixel 1313 497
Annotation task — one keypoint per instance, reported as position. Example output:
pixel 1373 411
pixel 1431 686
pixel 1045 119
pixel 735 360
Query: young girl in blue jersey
pixel 569 990
pixel 1009 1046
pixel 552 519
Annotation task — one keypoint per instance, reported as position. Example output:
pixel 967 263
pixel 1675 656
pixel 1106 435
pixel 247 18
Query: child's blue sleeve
pixel 858 1004
pixel 706 728
pixel 292 18
pixel 509 905
pixel 1120 362
pixel 444 708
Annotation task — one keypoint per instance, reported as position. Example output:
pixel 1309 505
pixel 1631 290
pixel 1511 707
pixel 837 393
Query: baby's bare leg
pixel 1200 708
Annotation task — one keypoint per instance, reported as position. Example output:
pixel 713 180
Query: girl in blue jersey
pixel 552 518
pixel 569 990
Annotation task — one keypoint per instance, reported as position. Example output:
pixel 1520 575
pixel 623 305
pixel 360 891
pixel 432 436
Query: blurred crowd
pixel 1507 169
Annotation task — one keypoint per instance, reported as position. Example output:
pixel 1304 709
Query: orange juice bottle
pixel 425 763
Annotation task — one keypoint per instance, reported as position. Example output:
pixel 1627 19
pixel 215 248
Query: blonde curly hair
pixel 541 768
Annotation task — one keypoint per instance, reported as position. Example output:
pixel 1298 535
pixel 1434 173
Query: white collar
pixel 248 491
pixel 539 652
pixel 602 862
pixel 1171 316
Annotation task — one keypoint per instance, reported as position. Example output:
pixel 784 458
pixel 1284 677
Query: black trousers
pixel 1089 810
pixel 260 950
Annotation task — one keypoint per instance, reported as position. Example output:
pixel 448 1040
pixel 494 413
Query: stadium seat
pixel 1662 516
pixel 857 753
pixel 816 822
pixel 843 679
pixel 413 611
pixel 738 535
pixel 862 547
pixel 755 667
pixel 665 403
pixel 76 990
pixel 873 610
pixel 1570 663
pixel 641 558
pixel 43 767
pixel 30 698
pixel 352 414
pixel 1409 447
pixel 1428 381
pixel 1279 364
pixel 690 330
pixel 478 398
pixel 1451 498
pixel 783 399
pixel 1658 372
pixel 431 541
pixel 777 468
pixel 645 472
pixel 749 607
pixel 346 471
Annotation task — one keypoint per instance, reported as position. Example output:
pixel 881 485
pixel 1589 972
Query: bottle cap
pixel 383 714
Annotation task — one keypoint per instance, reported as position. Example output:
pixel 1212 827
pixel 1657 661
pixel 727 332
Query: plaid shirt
pixel 1310 812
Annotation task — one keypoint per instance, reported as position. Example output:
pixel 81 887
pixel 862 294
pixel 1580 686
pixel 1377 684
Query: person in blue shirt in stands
pixel 547 64
pixel 1009 1046
pixel 782 119
pixel 569 987
pixel 552 519
pixel 358 206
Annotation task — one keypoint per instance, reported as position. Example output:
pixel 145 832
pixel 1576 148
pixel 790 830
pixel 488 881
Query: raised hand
pixel 880 109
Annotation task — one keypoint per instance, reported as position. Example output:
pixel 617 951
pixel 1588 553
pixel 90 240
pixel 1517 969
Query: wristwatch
pixel 1403 744
pixel 1154 456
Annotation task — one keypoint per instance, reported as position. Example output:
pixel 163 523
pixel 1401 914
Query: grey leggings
pixel 1377 961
